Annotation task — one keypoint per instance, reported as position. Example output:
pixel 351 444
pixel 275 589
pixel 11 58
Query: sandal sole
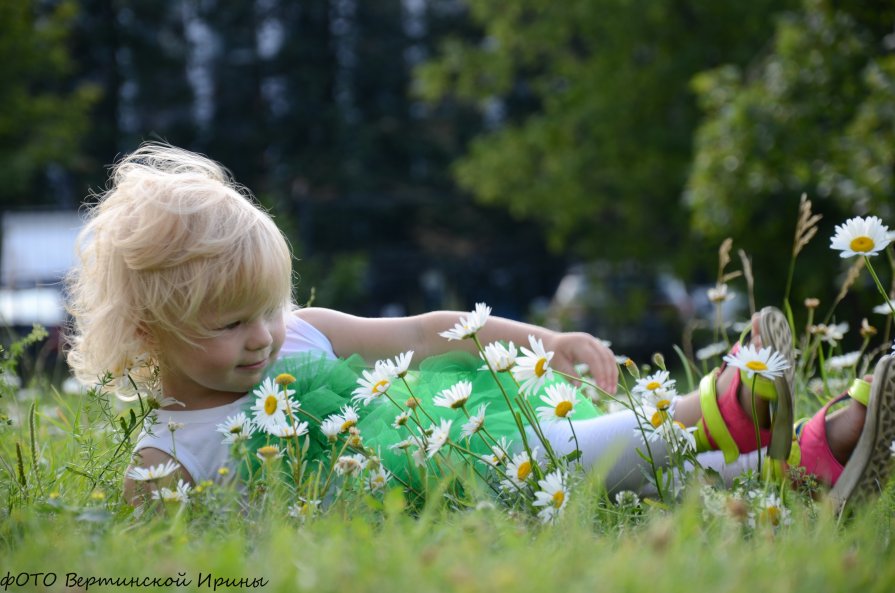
pixel 776 333
pixel 870 465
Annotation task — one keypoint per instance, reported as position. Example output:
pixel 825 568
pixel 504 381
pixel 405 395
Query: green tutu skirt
pixel 323 386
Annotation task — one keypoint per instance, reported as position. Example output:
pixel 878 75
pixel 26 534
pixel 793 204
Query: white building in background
pixel 38 249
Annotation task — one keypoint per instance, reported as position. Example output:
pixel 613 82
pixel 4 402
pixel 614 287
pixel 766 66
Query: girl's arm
pixel 377 338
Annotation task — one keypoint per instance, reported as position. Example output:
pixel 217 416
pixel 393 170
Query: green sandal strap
pixel 760 386
pixel 860 391
pixel 713 422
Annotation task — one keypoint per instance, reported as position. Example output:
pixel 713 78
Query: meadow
pixel 66 525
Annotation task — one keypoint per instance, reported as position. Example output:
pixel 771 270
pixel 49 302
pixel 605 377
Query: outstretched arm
pixel 376 338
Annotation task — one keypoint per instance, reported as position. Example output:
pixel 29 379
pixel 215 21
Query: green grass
pixel 57 523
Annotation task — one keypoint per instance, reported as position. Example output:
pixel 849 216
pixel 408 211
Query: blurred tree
pixel 815 113
pixel 42 117
pixel 590 111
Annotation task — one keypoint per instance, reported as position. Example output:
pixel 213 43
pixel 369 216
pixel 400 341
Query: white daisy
pixel 377 480
pixel 411 441
pixel 552 496
pixel 236 428
pixel 304 508
pixel 716 349
pixel 499 453
pixel 287 431
pixel 153 473
pixel 844 361
pixel 269 452
pixel 835 333
pixel 653 385
pixel 627 498
pixel 155 400
pixel 766 362
pixel 892 448
pixel 401 419
pixel 174 426
pixel 331 427
pixel 475 422
pixel 419 456
pixel 469 325
pixel 675 434
pixel 861 236
pixel 399 367
pixel 498 357
pixel 271 403
pixel 349 418
pixel 652 418
pixel 518 471
pixel 350 464
pixel 179 494
pixel 769 511
pixel 884 309
pixel 439 436
pixel 560 400
pixel 372 385
pixel 533 369
pixel 719 294
pixel 454 397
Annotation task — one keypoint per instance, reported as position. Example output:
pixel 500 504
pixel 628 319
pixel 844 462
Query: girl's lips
pixel 254 366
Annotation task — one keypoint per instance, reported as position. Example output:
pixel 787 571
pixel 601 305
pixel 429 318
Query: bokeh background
pixel 573 163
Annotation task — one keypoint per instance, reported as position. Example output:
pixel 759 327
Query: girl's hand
pixel 576 347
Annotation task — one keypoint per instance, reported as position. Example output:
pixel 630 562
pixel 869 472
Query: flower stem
pixel 879 285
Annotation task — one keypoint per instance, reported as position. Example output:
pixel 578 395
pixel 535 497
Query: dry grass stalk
pixel 853 272
pixel 724 256
pixel 806 225
pixel 750 279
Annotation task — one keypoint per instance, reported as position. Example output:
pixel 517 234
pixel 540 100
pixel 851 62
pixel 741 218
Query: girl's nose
pixel 259 335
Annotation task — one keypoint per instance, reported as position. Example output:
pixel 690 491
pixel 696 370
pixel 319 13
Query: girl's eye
pixel 233 325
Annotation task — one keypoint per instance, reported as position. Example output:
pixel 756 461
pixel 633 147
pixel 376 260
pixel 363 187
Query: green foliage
pixel 598 119
pixel 41 118
pixel 813 114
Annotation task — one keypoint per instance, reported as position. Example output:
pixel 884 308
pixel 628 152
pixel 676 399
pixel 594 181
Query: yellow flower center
pixel 558 497
pixel 523 470
pixel 284 379
pixel 347 424
pixel 541 367
pixel 756 365
pixel 458 404
pixel 380 386
pixel 268 451
pixel 237 429
pixel 653 385
pixel 563 408
pixel 270 405
pixel 663 405
pixel 773 515
pixel 658 418
pixel 862 244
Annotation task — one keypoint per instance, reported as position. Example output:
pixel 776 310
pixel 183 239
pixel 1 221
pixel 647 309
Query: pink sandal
pixel 726 426
pixel 870 464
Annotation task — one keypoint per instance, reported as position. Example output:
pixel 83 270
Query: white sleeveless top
pixel 197 446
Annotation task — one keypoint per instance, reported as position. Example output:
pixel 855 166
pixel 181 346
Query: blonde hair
pixel 171 241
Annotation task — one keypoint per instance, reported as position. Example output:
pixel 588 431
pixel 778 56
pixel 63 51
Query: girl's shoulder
pixel 303 336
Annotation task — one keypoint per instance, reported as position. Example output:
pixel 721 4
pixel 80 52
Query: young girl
pixel 182 272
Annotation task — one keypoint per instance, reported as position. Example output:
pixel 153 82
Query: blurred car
pixel 639 309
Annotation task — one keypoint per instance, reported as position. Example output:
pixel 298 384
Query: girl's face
pixel 220 369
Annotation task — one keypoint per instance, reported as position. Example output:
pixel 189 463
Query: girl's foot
pixel 851 449
pixel 726 401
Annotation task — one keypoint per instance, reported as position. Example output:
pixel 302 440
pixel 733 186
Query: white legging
pixel 613 440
